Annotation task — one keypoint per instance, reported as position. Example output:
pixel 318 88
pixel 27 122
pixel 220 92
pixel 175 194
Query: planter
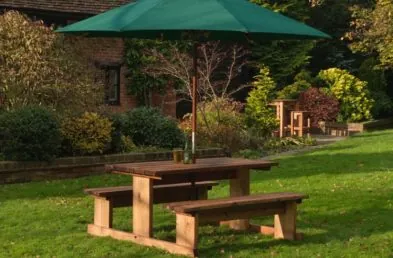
pixel 72 167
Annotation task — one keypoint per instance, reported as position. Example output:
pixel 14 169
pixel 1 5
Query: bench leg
pixel 285 224
pixel 142 206
pixel 239 186
pixel 187 230
pixel 103 211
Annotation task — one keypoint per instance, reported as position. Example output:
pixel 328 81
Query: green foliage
pixel 332 17
pixel 29 134
pixel 372 31
pixel 284 58
pixel 41 67
pixel 355 100
pixel 87 134
pixel 142 83
pixel 220 124
pixel 375 77
pixel 250 154
pixel 383 104
pixel 370 72
pixel 148 127
pixel 259 117
pixel 304 75
pixel 120 143
pixel 118 120
pixel 293 90
pixel 276 145
pixel 301 83
pixel 297 9
pixel 127 145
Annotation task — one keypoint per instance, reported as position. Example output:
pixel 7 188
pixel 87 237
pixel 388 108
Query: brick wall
pixel 111 51
pixel 166 102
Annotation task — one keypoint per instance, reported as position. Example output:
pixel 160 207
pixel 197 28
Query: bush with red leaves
pixel 322 107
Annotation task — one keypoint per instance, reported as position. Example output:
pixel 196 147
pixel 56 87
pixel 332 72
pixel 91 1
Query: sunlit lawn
pixel 349 213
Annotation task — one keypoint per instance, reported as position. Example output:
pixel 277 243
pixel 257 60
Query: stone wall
pixel 18 172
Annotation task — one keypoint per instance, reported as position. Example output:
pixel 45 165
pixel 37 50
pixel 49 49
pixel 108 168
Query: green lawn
pixel 349 213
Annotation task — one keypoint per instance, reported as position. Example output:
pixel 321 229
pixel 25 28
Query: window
pixel 112 85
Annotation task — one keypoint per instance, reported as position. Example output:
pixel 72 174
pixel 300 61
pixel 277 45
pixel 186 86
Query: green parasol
pixel 198 20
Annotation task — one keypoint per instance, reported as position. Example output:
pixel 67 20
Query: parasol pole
pixel 194 100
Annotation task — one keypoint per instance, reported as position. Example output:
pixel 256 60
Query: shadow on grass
pixel 314 148
pixel 315 163
pixel 373 133
pixel 351 226
pixel 310 164
pixel 60 188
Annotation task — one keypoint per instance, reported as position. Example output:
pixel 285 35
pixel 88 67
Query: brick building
pixel 107 53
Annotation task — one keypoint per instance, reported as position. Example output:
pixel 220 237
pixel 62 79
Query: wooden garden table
pixel 146 174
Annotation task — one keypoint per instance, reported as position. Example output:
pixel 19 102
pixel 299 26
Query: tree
pixel 372 31
pixel 41 67
pixel 332 17
pixel 371 72
pixel 302 81
pixel 259 117
pixel 218 65
pixel 284 58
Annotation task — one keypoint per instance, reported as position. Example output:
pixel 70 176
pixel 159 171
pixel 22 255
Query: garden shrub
pixel 220 124
pixel 302 82
pixel 293 90
pixel 322 107
pixel 41 67
pixel 148 127
pixel 352 93
pixel 260 118
pixel 29 134
pixel 119 143
pixel 87 134
pixel 276 145
pixel 127 145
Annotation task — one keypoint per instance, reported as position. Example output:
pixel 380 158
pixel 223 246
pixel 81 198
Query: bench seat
pixel 282 205
pixel 107 198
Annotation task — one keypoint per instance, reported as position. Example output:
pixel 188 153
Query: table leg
pixel 240 186
pixel 142 206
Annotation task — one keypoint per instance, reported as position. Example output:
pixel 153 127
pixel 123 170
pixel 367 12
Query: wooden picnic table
pixel 147 174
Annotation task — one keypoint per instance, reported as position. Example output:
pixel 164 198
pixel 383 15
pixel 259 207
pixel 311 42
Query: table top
pixel 162 168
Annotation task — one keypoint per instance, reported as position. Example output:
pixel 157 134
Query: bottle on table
pixel 187 159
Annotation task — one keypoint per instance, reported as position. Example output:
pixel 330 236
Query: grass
pixel 349 213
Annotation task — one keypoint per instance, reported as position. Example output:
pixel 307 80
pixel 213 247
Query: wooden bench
pixel 107 198
pixel 282 205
